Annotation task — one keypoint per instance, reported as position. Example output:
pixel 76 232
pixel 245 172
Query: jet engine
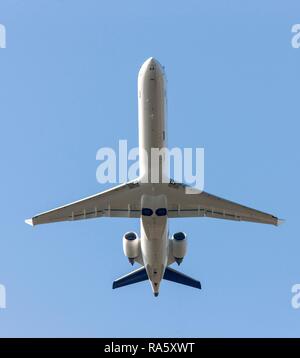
pixel 131 246
pixel 179 246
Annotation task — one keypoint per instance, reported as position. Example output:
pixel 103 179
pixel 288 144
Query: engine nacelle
pixel 179 246
pixel 131 246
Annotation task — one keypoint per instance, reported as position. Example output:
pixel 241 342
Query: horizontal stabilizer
pixel 138 275
pixel 176 276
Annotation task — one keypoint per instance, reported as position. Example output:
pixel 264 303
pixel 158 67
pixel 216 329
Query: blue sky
pixel 68 87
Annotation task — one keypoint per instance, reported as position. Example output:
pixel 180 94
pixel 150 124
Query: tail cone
pixel 178 260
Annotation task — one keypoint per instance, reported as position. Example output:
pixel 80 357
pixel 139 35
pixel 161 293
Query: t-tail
pixel 170 274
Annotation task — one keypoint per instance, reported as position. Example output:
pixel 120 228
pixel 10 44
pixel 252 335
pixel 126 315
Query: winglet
pixel 29 222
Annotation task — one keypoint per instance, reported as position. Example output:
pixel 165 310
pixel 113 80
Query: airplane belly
pixel 154 247
pixel 152 109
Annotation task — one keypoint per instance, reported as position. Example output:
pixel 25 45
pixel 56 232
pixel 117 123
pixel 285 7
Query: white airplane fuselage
pixel 152 134
pixel 153 197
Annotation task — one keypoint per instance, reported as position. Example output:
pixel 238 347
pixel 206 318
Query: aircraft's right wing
pixel 120 201
pixel 181 203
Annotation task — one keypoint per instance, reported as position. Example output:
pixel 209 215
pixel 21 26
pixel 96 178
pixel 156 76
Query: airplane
pixel 153 203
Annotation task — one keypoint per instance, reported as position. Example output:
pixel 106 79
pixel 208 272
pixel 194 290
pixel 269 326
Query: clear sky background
pixel 68 87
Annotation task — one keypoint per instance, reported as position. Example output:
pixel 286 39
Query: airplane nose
pixel 151 64
pixel 152 61
pixel 154 64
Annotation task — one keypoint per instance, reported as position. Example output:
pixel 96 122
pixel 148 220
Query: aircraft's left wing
pixel 182 202
pixel 120 201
